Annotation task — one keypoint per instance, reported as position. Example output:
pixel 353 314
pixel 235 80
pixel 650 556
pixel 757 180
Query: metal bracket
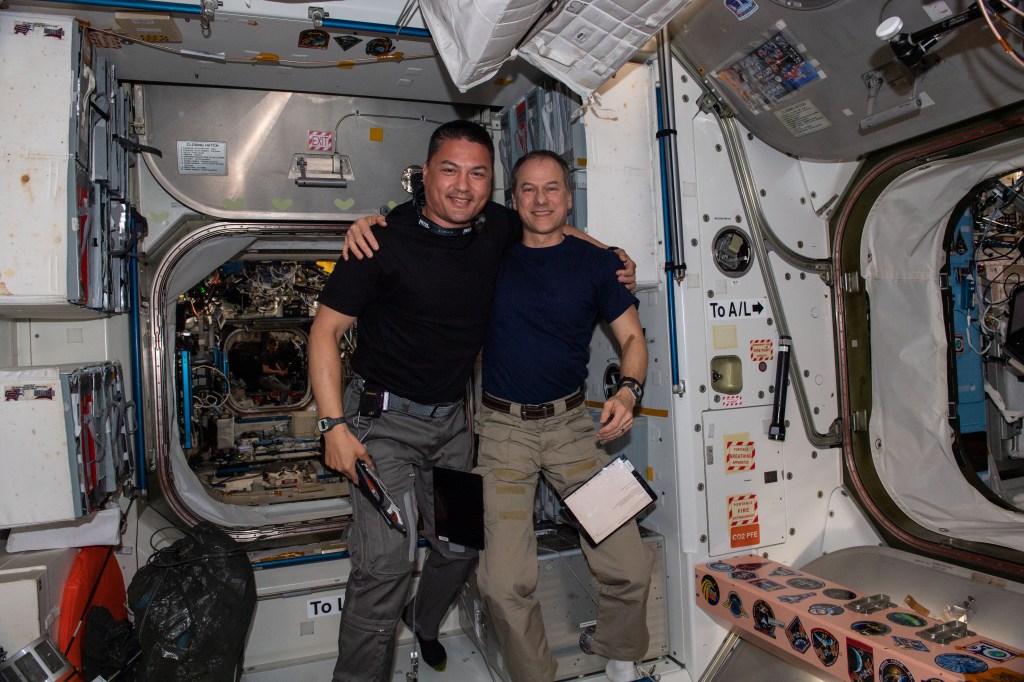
pixel 866 605
pixel 206 15
pixel 826 208
pixel 944 633
pixel 835 433
pixel 317 14
pixel 873 82
pixel 851 282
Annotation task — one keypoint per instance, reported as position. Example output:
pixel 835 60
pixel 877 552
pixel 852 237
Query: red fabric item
pixel 109 593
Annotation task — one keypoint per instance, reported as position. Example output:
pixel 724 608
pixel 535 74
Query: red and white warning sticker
pixel 731 401
pixel 744 526
pixel 739 453
pixel 321 140
pixel 762 349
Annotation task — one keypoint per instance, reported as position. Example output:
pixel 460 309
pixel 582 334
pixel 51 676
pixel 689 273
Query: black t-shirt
pixel 422 302
pixel 267 358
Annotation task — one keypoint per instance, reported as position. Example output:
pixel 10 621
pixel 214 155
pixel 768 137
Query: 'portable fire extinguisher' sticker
pixel 744 526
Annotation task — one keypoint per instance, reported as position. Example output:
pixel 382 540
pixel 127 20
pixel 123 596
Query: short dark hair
pixel 460 130
pixel 541 154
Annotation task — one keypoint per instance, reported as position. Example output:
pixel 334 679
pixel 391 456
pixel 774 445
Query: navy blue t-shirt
pixel 422 302
pixel 545 308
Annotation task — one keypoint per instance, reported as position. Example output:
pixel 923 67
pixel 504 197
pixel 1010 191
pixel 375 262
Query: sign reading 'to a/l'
pixel 737 308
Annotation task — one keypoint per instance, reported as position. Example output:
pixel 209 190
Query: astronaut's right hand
pixel 359 239
pixel 342 449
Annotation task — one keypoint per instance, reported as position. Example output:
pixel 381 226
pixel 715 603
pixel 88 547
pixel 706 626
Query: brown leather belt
pixel 528 412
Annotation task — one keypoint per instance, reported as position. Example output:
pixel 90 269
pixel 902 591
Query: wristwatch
pixel 327 423
pixel 634 386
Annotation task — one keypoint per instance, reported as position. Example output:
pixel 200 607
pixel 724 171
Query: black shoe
pixel 433 654
pixel 431 651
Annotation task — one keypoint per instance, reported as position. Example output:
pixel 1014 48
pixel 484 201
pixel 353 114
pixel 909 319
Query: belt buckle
pixel 533 412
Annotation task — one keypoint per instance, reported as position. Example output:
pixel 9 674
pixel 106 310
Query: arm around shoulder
pixel 627 275
pixel 359 239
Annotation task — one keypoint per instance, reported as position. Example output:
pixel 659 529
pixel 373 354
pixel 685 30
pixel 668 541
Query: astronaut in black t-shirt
pixel 417 341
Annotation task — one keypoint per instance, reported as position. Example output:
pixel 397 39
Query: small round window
pixel 731 251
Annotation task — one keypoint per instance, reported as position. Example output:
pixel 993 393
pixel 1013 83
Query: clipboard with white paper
pixel 609 499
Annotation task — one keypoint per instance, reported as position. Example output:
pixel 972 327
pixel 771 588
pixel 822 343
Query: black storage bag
pixel 193 603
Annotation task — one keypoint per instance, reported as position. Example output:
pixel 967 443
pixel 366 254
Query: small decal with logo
pixel 860 661
pixel 749 566
pixel 892 670
pixel 805 583
pixel 709 590
pixel 825 610
pixel 989 650
pixel 825 646
pixel 735 605
pixel 871 627
pixel 909 643
pixel 797 635
pixel 783 571
pixel 794 598
pixel 961 663
pixel 767 585
pixel 764 619
pixel 909 620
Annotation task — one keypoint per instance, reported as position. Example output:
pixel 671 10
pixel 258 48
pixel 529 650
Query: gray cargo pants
pixel 405 448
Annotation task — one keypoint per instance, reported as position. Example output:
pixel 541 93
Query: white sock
pixel 620 671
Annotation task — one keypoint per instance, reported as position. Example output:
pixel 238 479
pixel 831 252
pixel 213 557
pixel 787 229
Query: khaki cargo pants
pixel 511 455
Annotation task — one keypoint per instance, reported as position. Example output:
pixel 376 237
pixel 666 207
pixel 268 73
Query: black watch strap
pixel 327 423
pixel 634 386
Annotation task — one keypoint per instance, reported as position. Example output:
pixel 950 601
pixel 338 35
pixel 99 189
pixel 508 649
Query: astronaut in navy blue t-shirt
pixel 552 289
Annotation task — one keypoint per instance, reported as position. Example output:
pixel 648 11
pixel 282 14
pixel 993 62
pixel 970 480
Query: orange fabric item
pixel 85 573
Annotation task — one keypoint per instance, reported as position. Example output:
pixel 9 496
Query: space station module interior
pixel 824 201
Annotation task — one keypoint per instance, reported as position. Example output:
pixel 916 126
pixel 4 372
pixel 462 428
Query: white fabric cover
pixel 585 43
pixel 582 44
pixel 475 37
pixel 901 255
